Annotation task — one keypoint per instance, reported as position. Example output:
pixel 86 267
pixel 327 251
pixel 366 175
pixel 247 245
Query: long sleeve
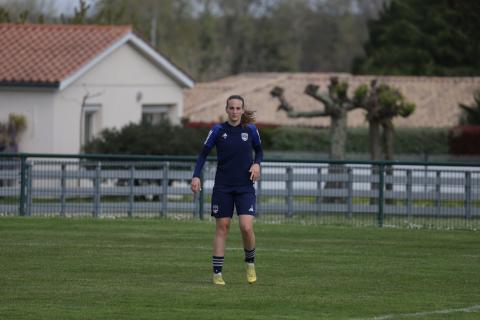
pixel 207 146
pixel 201 160
pixel 258 154
pixel 257 145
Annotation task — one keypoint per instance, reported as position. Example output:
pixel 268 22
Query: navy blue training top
pixel 235 147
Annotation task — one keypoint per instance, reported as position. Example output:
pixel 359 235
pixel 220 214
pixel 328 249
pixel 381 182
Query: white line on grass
pixel 421 314
pixel 241 249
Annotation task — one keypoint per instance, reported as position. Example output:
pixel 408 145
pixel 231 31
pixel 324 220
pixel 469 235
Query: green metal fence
pixel 393 194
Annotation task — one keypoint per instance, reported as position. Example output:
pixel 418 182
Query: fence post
pixel 289 191
pixel 409 193
pixel 131 183
pixel 164 196
pixel 319 191
pixel 350 193
pixel 62 190
pixel 437 192
pixel 96 190
pixel 29 167
pixel 381 186
pixel 23 184
pixel 468 195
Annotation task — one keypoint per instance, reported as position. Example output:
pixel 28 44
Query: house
pixel 436 98
pixel 72 81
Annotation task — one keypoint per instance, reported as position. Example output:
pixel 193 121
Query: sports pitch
pixel 161 269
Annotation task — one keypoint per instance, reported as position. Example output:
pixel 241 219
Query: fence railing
pixel 420 194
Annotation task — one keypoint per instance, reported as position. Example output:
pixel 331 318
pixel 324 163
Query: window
pixel 155 114
pixel 91 122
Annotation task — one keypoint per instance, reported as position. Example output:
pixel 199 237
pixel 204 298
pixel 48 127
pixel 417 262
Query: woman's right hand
pixel 195 185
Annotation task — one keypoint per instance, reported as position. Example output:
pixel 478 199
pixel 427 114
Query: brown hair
pixel 248 116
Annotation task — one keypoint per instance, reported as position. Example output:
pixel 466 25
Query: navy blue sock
pixel 250 255
pixel 217 264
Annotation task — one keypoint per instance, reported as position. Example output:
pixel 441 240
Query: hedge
pixel 407 140
pixel 169 139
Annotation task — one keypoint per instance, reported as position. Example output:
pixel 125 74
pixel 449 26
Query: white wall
pixel 121 84
pixel 37 107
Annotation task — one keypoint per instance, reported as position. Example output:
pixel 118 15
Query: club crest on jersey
pixel 224 136
pixel 244 136
pixel 215 208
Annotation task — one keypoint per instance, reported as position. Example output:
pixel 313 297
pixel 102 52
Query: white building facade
pixel 125 82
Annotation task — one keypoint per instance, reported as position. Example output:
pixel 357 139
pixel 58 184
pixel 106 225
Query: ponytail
pixel 248 117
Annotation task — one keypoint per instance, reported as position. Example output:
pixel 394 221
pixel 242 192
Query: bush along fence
pixel 384 194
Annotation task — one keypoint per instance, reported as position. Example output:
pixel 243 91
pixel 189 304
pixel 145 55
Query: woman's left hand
pixel 254 172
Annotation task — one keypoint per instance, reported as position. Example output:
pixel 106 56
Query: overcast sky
pixel 66 5
pixel 59 6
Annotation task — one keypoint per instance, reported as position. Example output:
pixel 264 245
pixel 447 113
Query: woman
pixel 235 141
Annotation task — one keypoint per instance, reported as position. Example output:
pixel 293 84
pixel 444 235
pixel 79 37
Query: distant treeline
pixel 211 39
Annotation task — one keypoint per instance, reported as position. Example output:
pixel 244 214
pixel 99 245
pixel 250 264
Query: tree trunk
pixel 375 140
pixel 388 149
pixel 338 134
pixel 388 139
pixel 375 152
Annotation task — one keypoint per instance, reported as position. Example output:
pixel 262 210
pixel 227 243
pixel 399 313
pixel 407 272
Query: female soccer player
pixel 237 170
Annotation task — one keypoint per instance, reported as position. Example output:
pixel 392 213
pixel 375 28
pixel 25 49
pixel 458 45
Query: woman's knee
pixel 222 228
pixel 246 228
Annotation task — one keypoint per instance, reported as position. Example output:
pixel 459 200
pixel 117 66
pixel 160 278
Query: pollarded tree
pixel 382 103
pixel 336 106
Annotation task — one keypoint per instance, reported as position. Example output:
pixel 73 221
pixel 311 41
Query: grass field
pixel 160 269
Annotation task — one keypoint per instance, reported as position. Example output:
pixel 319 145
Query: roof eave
pixel 30 84
pixel 178 75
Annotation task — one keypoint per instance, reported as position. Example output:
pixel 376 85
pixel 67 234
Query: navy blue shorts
pixel 225 198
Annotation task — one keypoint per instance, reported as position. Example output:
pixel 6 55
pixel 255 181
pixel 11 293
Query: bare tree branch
pixel 278 93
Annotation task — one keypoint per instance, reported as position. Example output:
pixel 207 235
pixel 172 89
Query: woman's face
pixel 235 110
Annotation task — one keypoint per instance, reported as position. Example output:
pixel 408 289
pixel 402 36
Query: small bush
pixel 148 139
pixel 464 140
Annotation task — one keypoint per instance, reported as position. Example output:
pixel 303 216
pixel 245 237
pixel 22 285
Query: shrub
pixel 168 139
pixel 407 140
pixel 148 139
pixel 464 140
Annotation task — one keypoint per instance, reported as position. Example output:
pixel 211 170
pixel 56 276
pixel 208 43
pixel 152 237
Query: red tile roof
pixel 39 54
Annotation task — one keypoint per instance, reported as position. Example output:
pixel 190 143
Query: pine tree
pixel 428 37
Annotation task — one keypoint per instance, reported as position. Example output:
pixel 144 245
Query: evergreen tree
pixel 428 37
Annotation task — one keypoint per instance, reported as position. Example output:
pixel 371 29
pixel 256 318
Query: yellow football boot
pixel 251 274
pixel 218 279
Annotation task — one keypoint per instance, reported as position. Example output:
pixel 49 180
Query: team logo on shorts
pixel 244 136
pixel 215 208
